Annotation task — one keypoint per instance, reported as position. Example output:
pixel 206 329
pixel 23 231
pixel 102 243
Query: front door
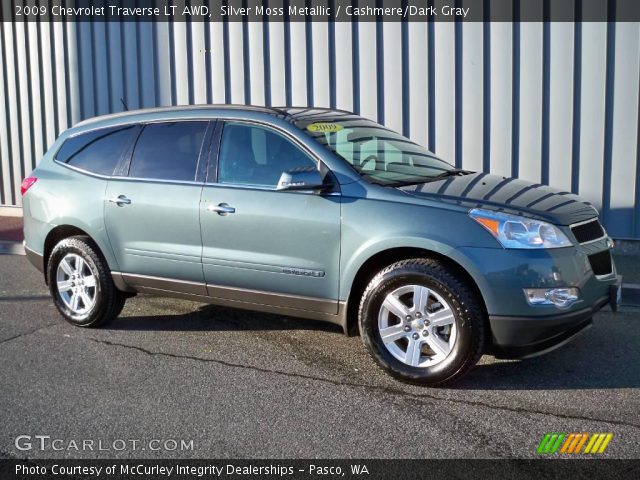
pixel 152 215
pixel 266 246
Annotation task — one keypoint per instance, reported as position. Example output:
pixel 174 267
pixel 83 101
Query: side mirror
pixel 301 178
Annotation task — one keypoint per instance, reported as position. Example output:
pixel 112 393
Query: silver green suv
pixel 319 214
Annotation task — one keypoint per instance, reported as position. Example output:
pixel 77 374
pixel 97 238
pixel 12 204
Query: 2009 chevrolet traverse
pixel 320 214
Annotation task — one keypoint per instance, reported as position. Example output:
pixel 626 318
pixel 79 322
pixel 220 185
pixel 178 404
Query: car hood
pixel 519 197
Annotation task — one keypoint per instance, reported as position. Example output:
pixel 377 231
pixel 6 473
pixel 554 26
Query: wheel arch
pixel 59 233
pixel 375 262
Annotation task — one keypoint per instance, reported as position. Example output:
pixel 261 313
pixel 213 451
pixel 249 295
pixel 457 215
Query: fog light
pixel 560 297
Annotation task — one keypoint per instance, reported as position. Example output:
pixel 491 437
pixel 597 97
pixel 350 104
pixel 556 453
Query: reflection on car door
pixel 151 212
pixel 262 245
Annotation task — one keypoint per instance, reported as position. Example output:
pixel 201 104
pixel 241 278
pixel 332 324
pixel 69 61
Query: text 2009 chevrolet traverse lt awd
pixel 319 214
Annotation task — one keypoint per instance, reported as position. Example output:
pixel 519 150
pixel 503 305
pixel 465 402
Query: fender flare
pixel 103 245
pixel 376 246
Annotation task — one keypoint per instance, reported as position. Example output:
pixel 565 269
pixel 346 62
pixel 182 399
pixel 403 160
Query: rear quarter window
pixel 97 151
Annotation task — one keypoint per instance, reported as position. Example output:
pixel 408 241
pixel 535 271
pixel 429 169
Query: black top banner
pixel 321 10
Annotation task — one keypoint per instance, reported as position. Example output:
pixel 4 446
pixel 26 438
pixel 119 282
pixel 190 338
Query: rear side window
pixel 168 151
pixel 98 151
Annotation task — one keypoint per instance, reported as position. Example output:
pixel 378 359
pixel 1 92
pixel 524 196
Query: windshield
pixel 380 155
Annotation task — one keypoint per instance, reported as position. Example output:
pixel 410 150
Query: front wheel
pixel 81 285
pixel 421 322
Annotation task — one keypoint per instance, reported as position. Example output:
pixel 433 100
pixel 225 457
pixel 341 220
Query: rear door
pixel 266 246
pixel 151 211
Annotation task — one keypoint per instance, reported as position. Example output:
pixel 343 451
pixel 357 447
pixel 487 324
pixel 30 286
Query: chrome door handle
pixel 221 209
pixel 120 200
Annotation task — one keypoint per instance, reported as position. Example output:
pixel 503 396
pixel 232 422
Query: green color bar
pixel 543 443
pixel 555 447
pixel 549 445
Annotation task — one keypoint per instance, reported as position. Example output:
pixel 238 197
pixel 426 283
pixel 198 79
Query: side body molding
pixel 261 301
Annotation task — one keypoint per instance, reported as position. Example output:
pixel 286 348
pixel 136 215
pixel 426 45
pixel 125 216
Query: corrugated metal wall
pixel 549 102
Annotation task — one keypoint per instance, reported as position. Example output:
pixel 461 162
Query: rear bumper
pixel 35 258
pixel 522 337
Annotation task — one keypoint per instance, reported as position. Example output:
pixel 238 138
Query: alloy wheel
pixel 417 326
pixel 77 284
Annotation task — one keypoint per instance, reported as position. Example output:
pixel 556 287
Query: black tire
pixel 109 301
pixel 469 317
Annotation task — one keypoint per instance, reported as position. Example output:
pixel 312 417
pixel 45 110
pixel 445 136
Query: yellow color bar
pixel 596 445
pixel 594 437
pixel 606 441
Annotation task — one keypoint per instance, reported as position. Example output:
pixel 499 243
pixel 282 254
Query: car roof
pixel 291 114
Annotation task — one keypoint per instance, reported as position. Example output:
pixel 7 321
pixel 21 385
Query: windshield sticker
pixel 324 127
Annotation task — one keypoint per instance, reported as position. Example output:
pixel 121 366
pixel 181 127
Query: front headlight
pixel 513 231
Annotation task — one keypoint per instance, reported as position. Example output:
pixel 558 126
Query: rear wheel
pixel 421 322
pixel 81 285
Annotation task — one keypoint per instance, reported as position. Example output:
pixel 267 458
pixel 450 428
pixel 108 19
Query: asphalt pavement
pixel 236 384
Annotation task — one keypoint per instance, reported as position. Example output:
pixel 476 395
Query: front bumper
pixel 524 337
pixel 521 330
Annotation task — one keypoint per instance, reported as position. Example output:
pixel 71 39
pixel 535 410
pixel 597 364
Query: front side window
pixel 168 151
pixel 98 151
pixel 254 155
pixel 378 154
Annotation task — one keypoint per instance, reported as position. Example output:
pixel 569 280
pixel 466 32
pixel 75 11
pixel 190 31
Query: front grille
pixel 589 231
pixel 601 263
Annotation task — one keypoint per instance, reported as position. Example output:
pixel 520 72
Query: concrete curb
pixel 11 248
pixel 10 211
pixel 627 247
pixel 631 294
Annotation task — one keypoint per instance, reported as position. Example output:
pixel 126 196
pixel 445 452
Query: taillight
pixel 27 183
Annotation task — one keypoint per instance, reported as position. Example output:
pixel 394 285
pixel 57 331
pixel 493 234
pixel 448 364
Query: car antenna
pixel 124 105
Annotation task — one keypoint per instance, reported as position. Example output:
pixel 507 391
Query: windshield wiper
pixel 432 178
pixel 451 173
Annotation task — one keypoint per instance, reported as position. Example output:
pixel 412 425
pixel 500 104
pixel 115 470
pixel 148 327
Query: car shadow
pixel 591 361
pixel 215 318
pixel 586 363
pixel 26 298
